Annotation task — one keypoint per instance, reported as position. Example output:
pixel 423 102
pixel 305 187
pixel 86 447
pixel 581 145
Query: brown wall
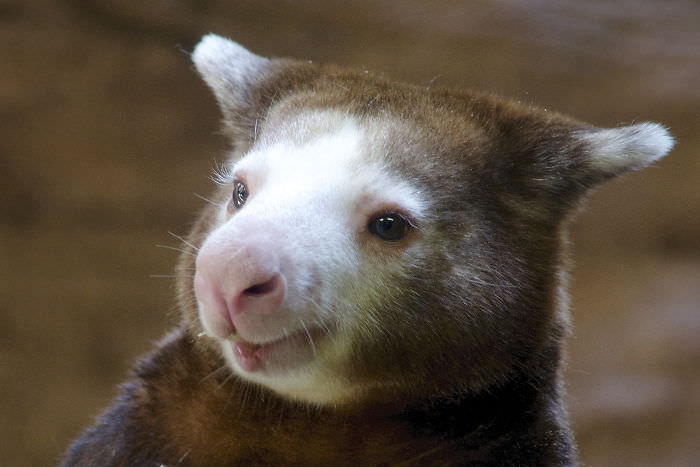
pixel 106 133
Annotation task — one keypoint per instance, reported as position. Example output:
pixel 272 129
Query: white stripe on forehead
pixel 328 154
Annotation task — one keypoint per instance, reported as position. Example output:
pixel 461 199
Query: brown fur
pixel 181 408
pixel 473 372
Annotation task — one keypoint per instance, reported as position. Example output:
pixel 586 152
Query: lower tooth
pixel 234 338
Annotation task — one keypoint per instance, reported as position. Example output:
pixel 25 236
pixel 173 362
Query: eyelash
pixel 222 175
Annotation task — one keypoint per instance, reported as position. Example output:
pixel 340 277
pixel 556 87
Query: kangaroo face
pixel 373 236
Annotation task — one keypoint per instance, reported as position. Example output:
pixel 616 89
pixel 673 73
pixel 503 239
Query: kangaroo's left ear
pixel 613 151
pixel 551 161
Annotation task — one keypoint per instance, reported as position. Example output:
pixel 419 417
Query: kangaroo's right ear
pixel 244 84
pixel 231 71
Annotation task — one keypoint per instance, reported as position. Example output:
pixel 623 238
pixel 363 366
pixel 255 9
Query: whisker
pixel 213 373
pixel 168 247
pixel 157 276
pixel 205 199
pixel 226 380
pixel 320 322
pixel 184 241
pixel 311 339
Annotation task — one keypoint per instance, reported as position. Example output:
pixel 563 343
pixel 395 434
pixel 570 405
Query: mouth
pixel 286 353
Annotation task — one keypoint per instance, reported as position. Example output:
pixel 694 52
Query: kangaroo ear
pixel 231 71
pixel 614 151
pixel 553 160
pixel 245 85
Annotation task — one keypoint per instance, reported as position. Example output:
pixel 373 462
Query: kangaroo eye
pixel 240 194
pixel 389 227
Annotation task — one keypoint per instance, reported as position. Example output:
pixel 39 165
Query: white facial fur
pixel 310 201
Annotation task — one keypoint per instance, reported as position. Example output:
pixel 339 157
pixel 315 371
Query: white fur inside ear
pixel 627 148
pixel 226 65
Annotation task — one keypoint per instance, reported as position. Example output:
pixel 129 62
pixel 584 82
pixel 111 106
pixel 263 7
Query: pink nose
pixel 234 281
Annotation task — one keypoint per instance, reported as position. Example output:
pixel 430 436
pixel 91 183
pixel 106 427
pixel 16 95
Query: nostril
pixel 263 287
pixel 263 297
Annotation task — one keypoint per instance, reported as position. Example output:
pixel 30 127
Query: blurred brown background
pixel 106 134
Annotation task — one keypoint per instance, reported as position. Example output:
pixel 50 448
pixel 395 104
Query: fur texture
pixel 442 347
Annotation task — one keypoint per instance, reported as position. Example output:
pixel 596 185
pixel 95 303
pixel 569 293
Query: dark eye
pixel 240 194
pixel 389 227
